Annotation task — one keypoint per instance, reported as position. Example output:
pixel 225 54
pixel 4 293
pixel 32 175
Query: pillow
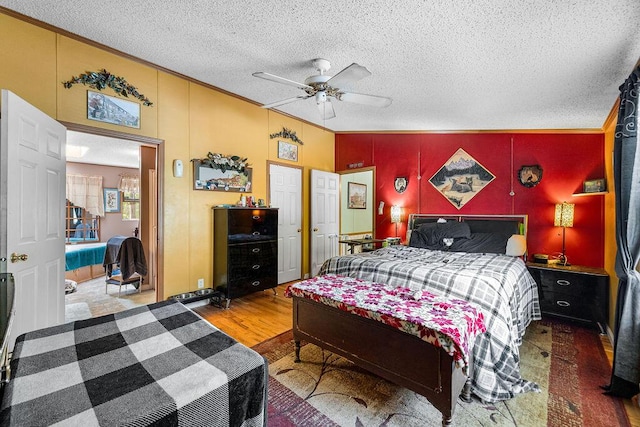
pixel 516 245
pixel 493 243
pixel 430 235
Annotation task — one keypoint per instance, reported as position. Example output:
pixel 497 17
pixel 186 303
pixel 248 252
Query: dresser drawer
pixel 253 225
pixel 238 288
pixel 247 254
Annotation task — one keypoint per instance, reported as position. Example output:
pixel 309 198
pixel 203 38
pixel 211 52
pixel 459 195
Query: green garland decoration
pixel 287 133
pixel 224 163
pixel 102 79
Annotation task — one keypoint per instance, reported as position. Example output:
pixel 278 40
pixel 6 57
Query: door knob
pixel 315 229
pixel 21 257
pixel 299 230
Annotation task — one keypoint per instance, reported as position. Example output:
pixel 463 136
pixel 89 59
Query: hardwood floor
pixel 253 318
pixel 631 405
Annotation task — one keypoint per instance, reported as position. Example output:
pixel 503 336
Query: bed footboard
pixel 396 356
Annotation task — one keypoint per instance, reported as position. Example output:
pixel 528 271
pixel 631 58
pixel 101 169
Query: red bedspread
pixel 451 324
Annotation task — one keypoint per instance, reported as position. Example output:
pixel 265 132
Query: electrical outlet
pixel 200 283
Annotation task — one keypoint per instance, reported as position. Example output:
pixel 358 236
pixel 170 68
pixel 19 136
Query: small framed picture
pixel 595 186
pixel 287 151
pixel 111 200
pixel 357 196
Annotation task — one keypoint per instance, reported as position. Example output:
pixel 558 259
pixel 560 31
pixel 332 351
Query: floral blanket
pixel 451 324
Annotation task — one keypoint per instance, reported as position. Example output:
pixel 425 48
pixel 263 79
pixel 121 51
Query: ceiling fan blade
pixel 282 80
pixel 360 98
pixel 326 110
pixel 285 101
pixel 352 73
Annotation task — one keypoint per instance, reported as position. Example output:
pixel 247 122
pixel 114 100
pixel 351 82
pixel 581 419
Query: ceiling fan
pixel 323 87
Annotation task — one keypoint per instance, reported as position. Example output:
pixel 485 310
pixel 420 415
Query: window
pixel 130 206
pixel 81 226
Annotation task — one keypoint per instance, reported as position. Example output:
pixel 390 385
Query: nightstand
pixel 573 292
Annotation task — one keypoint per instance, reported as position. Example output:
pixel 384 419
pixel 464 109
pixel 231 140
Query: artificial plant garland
pixel 287 133
pixel 102 79
pixel 224 163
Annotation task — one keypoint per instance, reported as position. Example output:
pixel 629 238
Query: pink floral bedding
pixel 451 324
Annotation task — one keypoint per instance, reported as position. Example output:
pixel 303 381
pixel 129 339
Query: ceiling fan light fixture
pixel 321 97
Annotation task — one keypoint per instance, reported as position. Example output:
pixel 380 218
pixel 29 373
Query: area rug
pixel 567 361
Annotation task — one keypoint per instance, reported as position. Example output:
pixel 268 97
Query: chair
pixel 126 254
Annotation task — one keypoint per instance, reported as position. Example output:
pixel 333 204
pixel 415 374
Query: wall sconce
pixel 564 218
pixel 396 215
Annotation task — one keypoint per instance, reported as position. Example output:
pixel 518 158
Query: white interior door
pixel 32 185
pixel 325 213
pixel 286 195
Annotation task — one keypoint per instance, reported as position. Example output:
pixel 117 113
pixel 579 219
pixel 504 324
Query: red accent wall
pixel 567 159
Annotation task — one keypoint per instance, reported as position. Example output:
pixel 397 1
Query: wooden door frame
pixel 374 208
pixel 159 146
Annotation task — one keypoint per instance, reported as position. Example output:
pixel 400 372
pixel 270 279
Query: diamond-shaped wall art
pixel 461 178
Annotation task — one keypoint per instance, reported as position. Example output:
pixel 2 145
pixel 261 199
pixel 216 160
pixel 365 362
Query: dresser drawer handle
pixel 255 250
pixel 256 217
pixel 255 283
pixel 256 266
pixel 563 282
pixel 563 303
pixel 256 233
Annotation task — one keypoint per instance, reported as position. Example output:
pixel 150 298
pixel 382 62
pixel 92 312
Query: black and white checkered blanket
pixel 499 285
pixel 160 364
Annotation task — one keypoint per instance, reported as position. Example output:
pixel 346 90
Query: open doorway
pixel 128 168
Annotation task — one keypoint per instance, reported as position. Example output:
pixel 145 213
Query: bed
pixel 160 364
pixel 499 284
pixel 391 331
pixel 83 255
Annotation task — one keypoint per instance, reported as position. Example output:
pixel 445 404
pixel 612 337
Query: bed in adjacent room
pixel 83 255
pixel 160 364
pixel 497 283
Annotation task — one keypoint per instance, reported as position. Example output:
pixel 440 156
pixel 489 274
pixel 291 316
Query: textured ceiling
pixel 447 64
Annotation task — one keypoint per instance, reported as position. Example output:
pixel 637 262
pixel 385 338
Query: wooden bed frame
pixel 394 355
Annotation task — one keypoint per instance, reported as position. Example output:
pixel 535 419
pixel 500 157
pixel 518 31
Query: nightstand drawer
pixel 567 283
pixel 566 305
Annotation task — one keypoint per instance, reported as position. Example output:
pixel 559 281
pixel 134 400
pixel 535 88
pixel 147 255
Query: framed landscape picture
pixel 108 109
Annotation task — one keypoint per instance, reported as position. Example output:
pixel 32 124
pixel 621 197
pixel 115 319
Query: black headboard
pixel 507 224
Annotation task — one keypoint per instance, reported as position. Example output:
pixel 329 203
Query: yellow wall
pixel 610 245
pixel 191 118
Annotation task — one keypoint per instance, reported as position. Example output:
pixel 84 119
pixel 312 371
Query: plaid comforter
pixel 499 285
pixel 160 364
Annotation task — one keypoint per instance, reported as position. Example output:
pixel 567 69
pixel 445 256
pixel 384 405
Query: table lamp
pixel 396 214
pixel 564 219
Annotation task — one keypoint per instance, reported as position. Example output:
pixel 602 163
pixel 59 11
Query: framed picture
pixel 357 196
pixel 461 178
pixel 108 109
pixel 530 175
pixel 287 151
pixel 208 178
pixel 595 186
pixel 111 200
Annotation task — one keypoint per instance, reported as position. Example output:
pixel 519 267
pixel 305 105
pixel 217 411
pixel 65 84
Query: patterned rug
pixel 568 362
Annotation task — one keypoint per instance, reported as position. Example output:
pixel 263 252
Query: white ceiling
pixel 447 64
pixel 102 150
